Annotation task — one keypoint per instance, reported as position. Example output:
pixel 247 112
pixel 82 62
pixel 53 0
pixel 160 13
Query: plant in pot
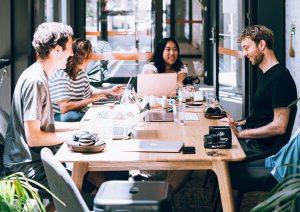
pixel 18 194
pixel 283 197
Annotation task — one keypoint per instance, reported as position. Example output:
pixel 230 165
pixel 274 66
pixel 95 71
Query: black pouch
pixel 190 80
pixel 224 133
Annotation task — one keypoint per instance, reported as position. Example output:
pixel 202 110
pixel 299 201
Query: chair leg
pixel 238 200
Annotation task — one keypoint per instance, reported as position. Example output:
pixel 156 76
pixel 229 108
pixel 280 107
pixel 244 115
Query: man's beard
pixel 259 56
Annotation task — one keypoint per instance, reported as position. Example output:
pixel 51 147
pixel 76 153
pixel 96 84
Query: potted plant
pixel 283 197
pixel 18 194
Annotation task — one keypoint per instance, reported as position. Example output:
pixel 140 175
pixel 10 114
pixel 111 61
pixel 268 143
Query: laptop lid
pixel 153 145
pixel 125 90
pixel 157 84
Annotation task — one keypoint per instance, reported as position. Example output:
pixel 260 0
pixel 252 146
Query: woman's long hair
pixel 158 56
pixel 82 50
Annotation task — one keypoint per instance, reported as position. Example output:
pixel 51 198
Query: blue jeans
pixel 71 116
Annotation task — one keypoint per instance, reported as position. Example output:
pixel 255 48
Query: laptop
pixel 153 145
pixel 150 115
pixel 115 99
pixel 159 116
pixel 120 132
pixel 157 84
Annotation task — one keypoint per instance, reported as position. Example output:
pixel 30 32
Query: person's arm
pixel 229 118
pixel 68 105
pixel 180 78
pixel 67 126
pixel 277 127
pixel 36 137
pixel 149 72
pixel 182 74
pixel 149 68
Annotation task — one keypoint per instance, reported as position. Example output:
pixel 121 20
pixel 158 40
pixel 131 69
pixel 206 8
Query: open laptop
pixel 157 84
pixel 151 115
pixel 115 99
pixel 153 145
pixel 120 132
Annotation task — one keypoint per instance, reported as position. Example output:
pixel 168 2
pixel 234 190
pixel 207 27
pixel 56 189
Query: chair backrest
pixel 61 184
pixel 280 142
pixel 3 126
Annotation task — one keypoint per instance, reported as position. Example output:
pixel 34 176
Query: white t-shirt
pixel 151 67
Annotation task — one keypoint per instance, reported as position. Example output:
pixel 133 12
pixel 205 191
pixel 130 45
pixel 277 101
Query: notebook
pixel 153 145
pixel 157 84
pixel 159 116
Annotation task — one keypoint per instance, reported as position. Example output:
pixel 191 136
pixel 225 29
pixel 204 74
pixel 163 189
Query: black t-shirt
pixel 276 88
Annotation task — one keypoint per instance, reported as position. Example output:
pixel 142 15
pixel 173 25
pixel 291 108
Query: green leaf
pixel 17 192
pixel 283 197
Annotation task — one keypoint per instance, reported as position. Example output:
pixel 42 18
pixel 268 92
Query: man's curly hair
pixel 48 35
pixel 258 33
pixel 82 51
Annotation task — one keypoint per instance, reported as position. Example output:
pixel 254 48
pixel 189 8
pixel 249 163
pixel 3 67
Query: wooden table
pixel 113 158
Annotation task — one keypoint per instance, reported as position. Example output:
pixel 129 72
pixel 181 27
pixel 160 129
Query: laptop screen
pixel 157 84
pixel 125 90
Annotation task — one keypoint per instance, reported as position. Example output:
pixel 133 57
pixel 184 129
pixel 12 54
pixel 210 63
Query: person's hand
pixel 117 90
pixel 224 120
pixel 234 129
pixel 230 119
pixel 98 97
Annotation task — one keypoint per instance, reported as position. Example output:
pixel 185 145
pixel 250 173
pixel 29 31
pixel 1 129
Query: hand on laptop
pixel 117 90
pixel 98 97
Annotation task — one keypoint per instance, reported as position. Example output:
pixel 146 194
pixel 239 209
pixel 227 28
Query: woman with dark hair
pixel 70 89
pixel 166 59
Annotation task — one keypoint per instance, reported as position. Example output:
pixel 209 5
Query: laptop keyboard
pixel 191 117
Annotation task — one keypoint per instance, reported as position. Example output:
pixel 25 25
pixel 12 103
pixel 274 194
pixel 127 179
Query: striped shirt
pixel 62 87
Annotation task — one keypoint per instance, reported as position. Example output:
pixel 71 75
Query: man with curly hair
pixel 31 124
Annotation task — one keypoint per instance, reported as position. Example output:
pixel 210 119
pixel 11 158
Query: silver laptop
pixel 115 99
pixel 157 84
pixel 153 145
pixel 159 116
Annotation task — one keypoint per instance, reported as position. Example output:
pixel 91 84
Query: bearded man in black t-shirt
pixel 269 117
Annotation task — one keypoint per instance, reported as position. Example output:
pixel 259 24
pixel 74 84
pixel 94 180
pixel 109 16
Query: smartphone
pixel 188 150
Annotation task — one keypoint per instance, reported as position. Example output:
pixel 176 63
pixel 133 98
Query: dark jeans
pixel 250 147
pixel 71 116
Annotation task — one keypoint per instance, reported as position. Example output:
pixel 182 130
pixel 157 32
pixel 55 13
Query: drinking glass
pixel 105 120
pixel 179 113
pixel 210 98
